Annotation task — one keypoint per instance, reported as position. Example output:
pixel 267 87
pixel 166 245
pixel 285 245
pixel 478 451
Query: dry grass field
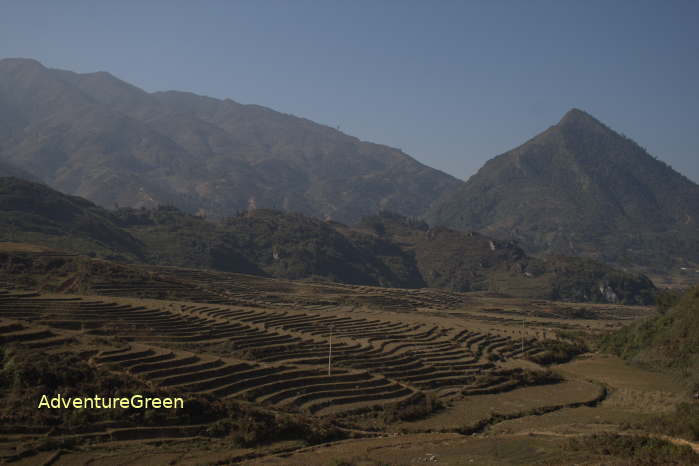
pixel 416 376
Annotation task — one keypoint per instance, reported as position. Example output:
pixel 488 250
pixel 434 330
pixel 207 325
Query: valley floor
pixel 418 376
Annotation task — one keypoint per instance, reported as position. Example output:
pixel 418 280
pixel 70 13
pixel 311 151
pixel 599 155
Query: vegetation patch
pixel 558 351
pixel 505 380
pixel 419 406
pixel 637 449
pixel 669 341
pixel 682 422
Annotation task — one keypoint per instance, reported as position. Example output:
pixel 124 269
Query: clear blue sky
pixel 452 83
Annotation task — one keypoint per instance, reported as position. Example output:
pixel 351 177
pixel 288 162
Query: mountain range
pixel 101 138
pixel 577 189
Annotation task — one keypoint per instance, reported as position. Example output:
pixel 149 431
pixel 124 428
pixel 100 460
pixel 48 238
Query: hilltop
pixel 265 242
pixel 35 213
pixel 579 188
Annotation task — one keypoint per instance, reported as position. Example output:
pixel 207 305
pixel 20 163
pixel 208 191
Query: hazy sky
pixel 451 83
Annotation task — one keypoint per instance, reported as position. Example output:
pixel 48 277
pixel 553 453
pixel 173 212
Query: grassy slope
pixel 668 341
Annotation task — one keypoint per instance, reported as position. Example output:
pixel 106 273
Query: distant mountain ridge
pixel 101 138
pixel 386 249
pixel 579 188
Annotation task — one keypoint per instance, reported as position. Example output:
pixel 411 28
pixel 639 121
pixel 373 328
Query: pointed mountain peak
pixel 102 75
pixel 576 118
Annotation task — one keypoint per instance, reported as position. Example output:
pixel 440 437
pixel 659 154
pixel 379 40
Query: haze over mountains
pixel 7 169
pixel 98 137
pixel 578 188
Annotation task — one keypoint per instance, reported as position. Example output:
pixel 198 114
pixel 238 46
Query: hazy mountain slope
pixel 580 188
pixel 96 136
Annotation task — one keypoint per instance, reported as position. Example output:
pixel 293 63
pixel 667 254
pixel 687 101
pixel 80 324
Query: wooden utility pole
pixel 330 350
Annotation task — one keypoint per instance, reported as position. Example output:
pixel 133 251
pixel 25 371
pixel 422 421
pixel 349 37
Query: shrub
pixel 416 407
pixel 639 449
pixel 558 351
pixel 682 422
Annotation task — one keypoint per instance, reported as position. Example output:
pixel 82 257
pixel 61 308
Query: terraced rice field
pixel 276 358
pixel 265 343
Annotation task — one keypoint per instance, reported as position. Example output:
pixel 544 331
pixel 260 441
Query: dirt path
pixel 679 441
